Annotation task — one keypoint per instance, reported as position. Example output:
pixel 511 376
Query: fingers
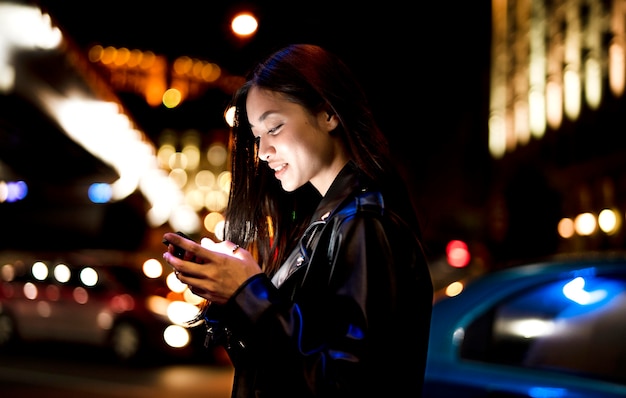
pixel 207 243
pixel 207 252
pixel 225 247
pixel 191 250
pixel 177 240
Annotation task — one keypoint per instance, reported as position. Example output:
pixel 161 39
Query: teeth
pixel 279 168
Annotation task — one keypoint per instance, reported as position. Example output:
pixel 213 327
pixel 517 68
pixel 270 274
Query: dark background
pixel 424 67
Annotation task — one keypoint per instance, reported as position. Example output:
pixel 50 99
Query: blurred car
pixel 555 329
pixel 95 298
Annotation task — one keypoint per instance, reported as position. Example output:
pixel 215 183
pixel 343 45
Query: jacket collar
pixel 348 181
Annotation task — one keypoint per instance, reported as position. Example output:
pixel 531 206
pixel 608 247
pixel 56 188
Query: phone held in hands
pixel 178 251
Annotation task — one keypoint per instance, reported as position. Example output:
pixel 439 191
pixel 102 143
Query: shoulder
pixel 362 216
pixel 371 205
pixel 370 211
pixel 368 202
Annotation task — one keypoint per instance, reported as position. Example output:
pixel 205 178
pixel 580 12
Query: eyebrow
pixel 264 116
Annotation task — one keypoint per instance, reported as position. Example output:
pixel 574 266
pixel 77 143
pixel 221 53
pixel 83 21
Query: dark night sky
pixel 418 66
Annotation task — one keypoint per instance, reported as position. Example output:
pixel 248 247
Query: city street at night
pixel 71 372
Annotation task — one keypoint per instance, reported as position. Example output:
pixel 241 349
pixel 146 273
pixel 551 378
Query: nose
pixel 264 151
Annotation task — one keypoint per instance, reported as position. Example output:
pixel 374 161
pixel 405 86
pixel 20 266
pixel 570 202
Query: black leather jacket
pixel 353 317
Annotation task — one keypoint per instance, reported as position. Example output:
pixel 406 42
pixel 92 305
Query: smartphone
pixel 178 251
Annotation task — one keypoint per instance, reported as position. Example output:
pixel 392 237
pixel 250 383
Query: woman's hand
pixel 212 270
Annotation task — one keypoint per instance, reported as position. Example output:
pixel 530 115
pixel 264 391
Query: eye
pixel 274 130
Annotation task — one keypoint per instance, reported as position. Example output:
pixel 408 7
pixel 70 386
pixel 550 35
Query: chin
pixel 289 187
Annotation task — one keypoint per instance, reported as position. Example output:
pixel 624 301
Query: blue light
pixel 16 191
pixel 355 332
pixel 346 356
pixel 547 392
pixel 590 294
pixel 575 291
pixel 100 192
pixel 576 295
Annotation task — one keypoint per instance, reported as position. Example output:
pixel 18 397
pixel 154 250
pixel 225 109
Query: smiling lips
pixel 279 168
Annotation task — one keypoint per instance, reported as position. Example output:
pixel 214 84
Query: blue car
pixel 550 329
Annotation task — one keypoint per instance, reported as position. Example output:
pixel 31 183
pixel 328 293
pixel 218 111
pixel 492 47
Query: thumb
pixel 208 243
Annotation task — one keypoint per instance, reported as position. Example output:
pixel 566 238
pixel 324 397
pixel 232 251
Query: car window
pixel 574 325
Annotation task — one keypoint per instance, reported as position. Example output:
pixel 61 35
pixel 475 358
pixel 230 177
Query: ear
pixel 331 121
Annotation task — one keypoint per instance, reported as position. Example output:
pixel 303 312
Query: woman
pixel 320 288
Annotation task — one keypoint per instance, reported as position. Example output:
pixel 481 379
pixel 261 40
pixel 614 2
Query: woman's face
pixel 298 146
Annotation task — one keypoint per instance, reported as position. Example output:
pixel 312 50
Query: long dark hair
pixel 261 215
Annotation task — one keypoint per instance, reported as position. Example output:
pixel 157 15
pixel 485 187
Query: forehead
pixel 260 103
pixel 262 94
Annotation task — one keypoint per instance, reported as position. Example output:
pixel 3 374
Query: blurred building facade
pixel 556 131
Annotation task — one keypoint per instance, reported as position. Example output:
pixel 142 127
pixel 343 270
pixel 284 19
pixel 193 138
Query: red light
pixel 457 253
pixel 122 303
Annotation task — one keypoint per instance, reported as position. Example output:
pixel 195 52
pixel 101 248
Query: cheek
pixel 320 148
pixel 307 153
pixel 290 145
pixel 306 143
